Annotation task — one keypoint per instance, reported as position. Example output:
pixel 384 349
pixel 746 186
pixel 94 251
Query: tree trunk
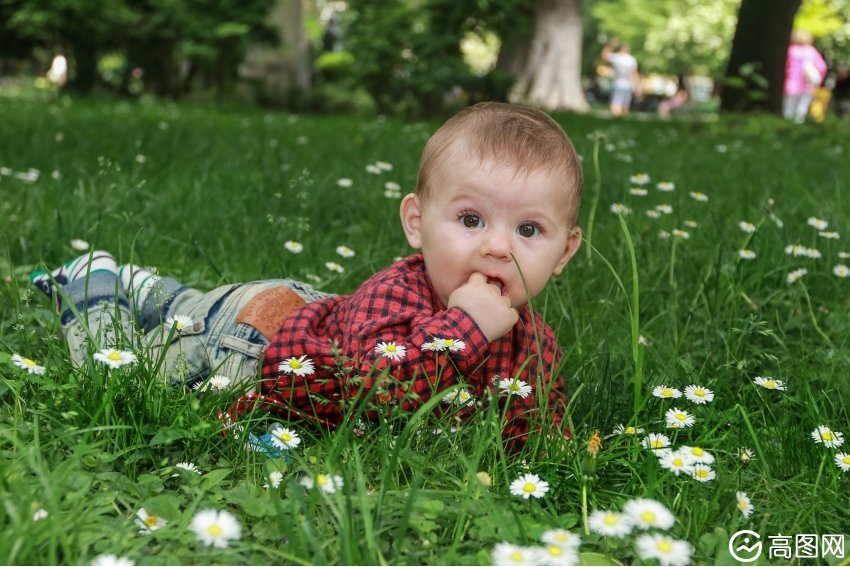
pixel 550 76
pixel 85 65
pixel 756 72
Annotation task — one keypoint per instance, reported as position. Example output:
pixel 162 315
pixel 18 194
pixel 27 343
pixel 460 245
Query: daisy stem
pixel 820 474
pixel 673 263
pixel 637 351
pixel 597 192
pixel 584 505
pixel 812 314
pixel 762 461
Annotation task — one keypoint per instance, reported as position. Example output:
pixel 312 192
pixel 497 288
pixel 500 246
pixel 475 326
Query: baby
pixel 494 214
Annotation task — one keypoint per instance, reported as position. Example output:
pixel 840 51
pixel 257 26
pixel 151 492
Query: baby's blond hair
pixel 525 138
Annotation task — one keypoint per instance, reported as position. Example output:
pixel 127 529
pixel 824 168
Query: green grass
pixel 214 198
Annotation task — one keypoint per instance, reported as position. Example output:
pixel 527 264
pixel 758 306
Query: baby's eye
pixel 471 221
pixel 528 230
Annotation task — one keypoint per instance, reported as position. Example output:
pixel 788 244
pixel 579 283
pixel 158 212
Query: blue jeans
pixel 214 344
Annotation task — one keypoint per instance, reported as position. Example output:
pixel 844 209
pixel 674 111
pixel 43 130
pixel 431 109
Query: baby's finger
pixel 477 277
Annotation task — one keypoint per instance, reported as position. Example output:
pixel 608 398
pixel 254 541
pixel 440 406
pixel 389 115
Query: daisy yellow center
pixel 681 416
pixel 610 519
pixel 286 436
pixel 294 364
pixel 648 517
pixel 514 387
pixel 665 547
pixel 698 451
pixel 770 384
pixel 114 356
pixel 529 487
pixel 321 480
pixel 667 392
pixel 846 460
pixel 657 444
pixel 702 473
pixel 516 556
pixel 699 392
pixel 214 530
pixel 555 550
pixel 151 520
pixel 563 537
pixel 745 456
pixel 463 396
pixel 630 430
pixel 450 343
pixel 29 362
pixel 678 462
pixel 827 436
pixel 742 504
pixel 391 348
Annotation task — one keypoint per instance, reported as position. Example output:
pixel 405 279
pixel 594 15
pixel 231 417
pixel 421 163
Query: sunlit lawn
pixel 213 196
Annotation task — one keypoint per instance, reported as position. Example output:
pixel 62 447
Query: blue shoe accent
pixel 263 444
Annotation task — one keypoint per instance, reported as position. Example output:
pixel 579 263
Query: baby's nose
pixel 496 244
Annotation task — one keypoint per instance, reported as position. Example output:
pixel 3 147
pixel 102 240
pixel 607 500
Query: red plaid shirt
pixel 398 305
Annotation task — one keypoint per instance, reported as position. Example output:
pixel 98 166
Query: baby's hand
pixel 486 305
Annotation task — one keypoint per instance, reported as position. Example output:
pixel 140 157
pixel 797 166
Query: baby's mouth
pixel 498 283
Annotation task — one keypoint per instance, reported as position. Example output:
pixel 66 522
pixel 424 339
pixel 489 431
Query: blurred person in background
pixel 804 72
pixel 626 80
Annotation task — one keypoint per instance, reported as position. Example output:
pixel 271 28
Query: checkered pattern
pixel 398 305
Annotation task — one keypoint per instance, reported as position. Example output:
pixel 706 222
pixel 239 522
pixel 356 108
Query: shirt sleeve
pixel 392 337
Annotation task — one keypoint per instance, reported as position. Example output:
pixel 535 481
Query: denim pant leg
pixel 102 315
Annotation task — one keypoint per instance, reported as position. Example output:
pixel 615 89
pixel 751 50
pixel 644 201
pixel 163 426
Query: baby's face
pixel 477 216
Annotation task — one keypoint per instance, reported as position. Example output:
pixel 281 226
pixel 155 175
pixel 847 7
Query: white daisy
pixel 698 394
pixel 697 454
pixel 653 214
pixel 453 345
pixel 301 366
pixel 681 233
pixel 284 438
pixel 384 166
pixel 621 429
pixel 817 223
pixel 844 255
pixel 829 235
pixel 638 192
pixel 666 186
pixel 769 383
pixel 79 244
pixel 28 364
pixel 744 505
pixel 841 271
pixel 664 549
pixel 639 179
pixel 148 522
pixel 178 322
pixel 677 463
pixel 703 473
pixel 611 524
pixel 792 277
pixel 460 397
pixel 620 209
pixel 745 454
pixel 334 267
pixel 294 247
pixel 666 392
pixel 697 196
pixel 829 438
pixel 842 460
pixel 509 554
pixel 679 418
pixel 373 169
pixel 747 227
pixel 515 386
pixel 561 537
pixel 219 382
pixel 326 483
pixel 215 527
pixel 746 254
pixel 190 467
pixel 345 251
pixel 344 182
pixel 39 515
pixel 111 560
pixel 665 209
pixel 140 158
pixel 528 485
pixel 691 223
pixel 392 186
pixel 275 478
pixel 114 358
pixel 554 554
pixel 646 513
pixel 391 350
pixel 656 441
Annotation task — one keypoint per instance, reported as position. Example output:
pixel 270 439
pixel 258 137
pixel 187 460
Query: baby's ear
pixel 411 219
pixel 573 244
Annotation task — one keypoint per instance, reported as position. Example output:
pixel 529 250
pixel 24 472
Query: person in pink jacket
pixel 804 72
